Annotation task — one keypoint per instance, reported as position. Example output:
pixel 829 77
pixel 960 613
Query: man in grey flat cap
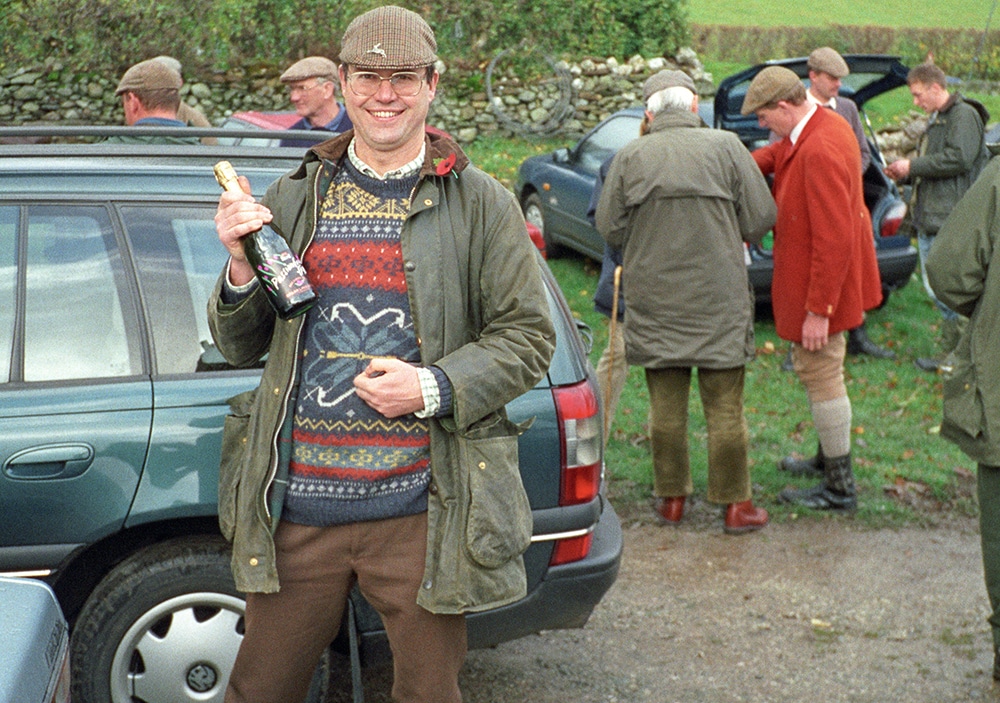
pixel 825 271
pixel 375 405
pixel 680 202
pixel 150 95
pixel 311 85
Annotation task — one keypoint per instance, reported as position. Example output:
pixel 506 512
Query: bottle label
pixel 283 275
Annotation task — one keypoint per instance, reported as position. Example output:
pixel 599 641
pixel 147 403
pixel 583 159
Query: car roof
pixel 71 169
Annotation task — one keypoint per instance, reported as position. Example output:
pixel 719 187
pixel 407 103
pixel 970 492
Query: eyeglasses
pixel 405 84
pixel 293 89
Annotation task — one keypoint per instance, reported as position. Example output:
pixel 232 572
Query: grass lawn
pixel 956 14
pixel 905 471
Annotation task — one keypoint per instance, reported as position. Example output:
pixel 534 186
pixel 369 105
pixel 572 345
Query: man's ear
pixel 694 104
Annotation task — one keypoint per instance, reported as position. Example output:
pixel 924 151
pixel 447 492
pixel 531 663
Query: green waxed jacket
pixel 952 153
pixel 964 271
pixel 480 314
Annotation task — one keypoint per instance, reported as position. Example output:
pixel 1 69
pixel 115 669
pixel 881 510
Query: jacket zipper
pixel 273 471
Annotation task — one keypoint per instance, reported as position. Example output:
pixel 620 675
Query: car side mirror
pixel 561 156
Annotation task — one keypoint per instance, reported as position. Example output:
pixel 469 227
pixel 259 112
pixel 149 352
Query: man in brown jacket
pixel 680 202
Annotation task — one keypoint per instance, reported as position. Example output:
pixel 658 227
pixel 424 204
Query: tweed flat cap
pixel 827 60
pixel 310 67
pixel 169 61
pixel 666 79
pixel 388 37
pixel 770 85
pixel 149 75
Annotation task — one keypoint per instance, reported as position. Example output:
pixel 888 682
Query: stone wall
pixel 570 99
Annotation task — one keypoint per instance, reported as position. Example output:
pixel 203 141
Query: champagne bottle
pixel 276 266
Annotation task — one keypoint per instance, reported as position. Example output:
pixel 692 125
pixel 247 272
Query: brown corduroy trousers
pixel 722 399
pixel 287 631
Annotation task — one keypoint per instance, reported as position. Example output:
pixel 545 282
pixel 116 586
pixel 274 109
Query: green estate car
pixel 112 402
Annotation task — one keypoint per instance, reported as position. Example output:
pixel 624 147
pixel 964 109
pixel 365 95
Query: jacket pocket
pixel 499 523
pixel 234 452
pixel 963 406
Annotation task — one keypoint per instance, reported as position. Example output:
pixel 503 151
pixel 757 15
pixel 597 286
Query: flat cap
pixel 149 75
pixel 827 60
pixel 170 61
pixel 772 84
pixel 310 67
pixel 388 37
pixel 666 79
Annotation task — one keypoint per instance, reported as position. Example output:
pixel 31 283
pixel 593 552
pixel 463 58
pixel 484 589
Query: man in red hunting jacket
pixel 825 271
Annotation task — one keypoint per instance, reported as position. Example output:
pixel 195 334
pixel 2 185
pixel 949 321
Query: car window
pixel 8 282
pixel 74 312
pixel 179 258
pixel 606 140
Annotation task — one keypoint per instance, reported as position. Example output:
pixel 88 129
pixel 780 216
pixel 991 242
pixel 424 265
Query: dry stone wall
pixel 57 93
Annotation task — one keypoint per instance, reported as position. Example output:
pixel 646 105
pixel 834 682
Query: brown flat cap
pixel 827 60
pixel 666 79
pixel 772 84
pixel 310 67
pixel 149 75
pixel 388 37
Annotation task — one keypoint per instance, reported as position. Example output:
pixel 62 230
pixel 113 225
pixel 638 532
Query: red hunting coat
pixel 824 254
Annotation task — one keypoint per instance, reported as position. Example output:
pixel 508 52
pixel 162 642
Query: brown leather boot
pixel 743 517
pixel 669 510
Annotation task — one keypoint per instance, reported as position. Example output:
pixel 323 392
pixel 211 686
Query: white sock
pixel 832 419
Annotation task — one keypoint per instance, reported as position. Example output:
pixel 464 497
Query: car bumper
pixel 563 599
pixel 896 265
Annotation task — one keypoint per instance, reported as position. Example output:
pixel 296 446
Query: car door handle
pixel 50 461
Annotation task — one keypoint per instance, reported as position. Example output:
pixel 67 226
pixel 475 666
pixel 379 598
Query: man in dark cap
pixel 377 405
pixel 150 95
pixel 680 202
pixel 311 85
pixel 825 271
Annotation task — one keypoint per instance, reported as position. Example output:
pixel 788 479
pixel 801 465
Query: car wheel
pixel 165 625
pixel 533 214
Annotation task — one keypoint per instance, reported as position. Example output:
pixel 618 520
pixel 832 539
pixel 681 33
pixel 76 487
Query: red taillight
pixel 536 237
pixel 571 549
pixel 892 220
pixel 580 438
pixel 580 462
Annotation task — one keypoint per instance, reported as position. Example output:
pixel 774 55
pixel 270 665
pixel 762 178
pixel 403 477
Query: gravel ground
pixel 809 610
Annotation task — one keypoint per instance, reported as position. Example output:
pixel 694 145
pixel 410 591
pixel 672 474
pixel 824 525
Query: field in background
pixel 956 14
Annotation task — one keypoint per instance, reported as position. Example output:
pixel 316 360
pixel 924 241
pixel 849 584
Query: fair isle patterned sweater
pixel 349 462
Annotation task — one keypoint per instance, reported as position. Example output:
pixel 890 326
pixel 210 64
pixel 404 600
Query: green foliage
pixel 218 35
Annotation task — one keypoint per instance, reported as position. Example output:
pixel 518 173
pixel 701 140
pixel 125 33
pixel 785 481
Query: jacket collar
pixel 442 156
pixel 670 119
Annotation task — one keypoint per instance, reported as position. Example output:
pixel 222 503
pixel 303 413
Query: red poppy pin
pixel 442 167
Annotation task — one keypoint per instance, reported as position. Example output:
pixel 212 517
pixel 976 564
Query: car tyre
pixel 165 625
pixel 534 214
